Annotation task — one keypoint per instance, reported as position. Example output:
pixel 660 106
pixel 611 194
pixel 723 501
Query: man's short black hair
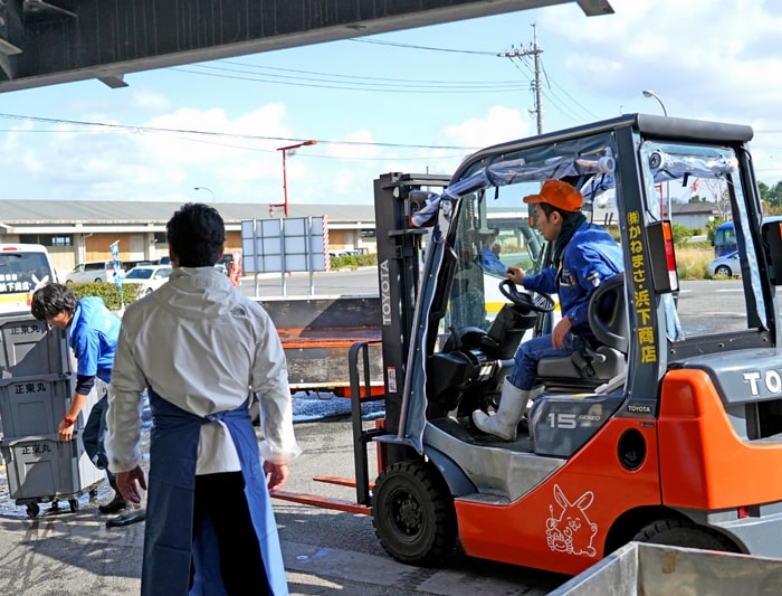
pixel 196 234
pixel 51 300
pixel 548 209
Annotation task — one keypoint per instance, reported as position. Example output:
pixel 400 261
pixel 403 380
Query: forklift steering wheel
pixel 523 300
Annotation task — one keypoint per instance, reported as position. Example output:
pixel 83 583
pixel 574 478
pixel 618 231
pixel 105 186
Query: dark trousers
pixel 220 497
pixel 94 434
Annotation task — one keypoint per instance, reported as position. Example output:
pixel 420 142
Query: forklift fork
pixel 360 392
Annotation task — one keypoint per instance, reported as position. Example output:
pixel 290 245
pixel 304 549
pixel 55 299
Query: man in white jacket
pixel 201 351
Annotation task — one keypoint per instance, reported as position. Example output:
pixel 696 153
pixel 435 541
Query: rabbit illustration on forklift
pixel 571 532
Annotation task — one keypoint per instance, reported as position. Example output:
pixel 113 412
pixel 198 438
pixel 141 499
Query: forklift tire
pixel 33 509
pixel 684 533
pixel 413 514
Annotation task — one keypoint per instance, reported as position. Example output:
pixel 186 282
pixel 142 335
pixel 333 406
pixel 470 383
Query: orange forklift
pixel 669 431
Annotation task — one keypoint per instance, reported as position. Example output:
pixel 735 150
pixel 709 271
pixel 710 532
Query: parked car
pixel 149 277
pixel 726 265
pixel 128 265
pixel 94 271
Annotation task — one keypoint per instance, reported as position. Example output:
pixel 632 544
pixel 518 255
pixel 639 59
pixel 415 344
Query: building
pixel 80 231
pixel 695 216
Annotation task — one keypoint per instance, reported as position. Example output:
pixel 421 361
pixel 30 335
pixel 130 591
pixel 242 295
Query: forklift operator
pixel 585 255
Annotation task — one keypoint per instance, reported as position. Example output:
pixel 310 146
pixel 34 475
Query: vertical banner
pixel 117 272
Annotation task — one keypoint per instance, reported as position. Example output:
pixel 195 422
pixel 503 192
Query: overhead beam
pixel 60 41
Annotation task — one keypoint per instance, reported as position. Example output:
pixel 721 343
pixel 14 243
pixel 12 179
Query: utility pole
pixel 534 51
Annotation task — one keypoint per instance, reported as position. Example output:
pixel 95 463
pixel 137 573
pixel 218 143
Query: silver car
pixel 726 265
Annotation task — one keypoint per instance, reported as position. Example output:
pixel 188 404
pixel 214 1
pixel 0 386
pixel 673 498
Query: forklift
pixel 667 432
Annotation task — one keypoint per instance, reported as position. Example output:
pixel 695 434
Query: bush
pixel 108 291
pixel 681 234
pixel 351 262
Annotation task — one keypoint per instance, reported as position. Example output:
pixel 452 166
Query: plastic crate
pixel 42 469
pixel 31 406
pixel 28 348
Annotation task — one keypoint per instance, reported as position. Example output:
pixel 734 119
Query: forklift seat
pixel 591 367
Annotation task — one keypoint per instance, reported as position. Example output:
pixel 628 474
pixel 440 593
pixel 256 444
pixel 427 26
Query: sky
pixel 411 101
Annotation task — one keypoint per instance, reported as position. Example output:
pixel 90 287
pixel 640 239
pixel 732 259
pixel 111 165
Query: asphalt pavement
pixel 325 551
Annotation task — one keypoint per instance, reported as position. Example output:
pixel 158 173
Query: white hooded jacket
pixel 203 347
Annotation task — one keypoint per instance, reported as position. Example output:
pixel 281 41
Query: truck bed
pixel 317 333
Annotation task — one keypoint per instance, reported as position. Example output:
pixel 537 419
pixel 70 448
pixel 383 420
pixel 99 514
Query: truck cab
pixel 664 432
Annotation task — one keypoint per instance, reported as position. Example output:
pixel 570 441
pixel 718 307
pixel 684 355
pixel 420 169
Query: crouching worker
pixel 200 349
pixel 92 335
pixel 585 255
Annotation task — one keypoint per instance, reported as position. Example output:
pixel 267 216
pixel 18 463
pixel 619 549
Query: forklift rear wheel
pixel 33 509
pixel 681 532
pixel 413 514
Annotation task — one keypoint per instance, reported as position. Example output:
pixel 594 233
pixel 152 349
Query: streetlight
pixel 205 188
pixel 285 174
pixel 650 93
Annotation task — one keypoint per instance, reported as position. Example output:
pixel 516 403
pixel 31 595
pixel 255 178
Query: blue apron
pixel 168 543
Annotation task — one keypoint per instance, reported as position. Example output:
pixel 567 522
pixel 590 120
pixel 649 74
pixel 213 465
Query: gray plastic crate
pixel 31 406
pixel 29 349
pixel 42 469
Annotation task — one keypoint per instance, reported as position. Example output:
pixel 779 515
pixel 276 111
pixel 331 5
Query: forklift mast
pixel 399 249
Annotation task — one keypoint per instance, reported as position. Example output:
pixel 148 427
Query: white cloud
pixel 500 124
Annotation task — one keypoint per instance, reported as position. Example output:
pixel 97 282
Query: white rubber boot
pixel 504 423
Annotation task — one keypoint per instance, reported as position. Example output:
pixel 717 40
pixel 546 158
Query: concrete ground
pixel 325 551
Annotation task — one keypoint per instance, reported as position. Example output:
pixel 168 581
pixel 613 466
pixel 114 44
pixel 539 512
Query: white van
pixel 94 271
pixel 23 269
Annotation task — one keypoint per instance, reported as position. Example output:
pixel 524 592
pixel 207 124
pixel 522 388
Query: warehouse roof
pixel 43 212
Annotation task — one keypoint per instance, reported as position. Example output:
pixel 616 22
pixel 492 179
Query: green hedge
pixel 354 261
pixel 108 291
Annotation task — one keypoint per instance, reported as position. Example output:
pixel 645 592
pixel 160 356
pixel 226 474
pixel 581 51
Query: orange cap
pixel 558 194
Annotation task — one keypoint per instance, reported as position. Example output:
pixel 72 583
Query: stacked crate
pixel 36 386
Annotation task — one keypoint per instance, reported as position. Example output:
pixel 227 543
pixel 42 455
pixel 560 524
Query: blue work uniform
pixel 591 257
pixel 93 334
pixel 491 262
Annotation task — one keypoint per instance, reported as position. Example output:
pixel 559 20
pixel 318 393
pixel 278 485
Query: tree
pixel 681 234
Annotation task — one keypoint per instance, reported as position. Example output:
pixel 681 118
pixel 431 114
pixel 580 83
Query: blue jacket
pixel 591 257
pixel 492 263
pixel 93 335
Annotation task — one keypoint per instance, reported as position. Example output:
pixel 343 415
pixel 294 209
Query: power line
pixel 460 90
pixel 417 47
pixel 152 129
pixel 365 77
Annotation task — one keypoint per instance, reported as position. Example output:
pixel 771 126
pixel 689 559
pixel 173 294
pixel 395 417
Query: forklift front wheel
pixel 682 532
pixel 413 514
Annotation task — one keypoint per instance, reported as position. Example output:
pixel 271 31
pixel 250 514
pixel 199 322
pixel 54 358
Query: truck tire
pixel 682 532
pixel 413 514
